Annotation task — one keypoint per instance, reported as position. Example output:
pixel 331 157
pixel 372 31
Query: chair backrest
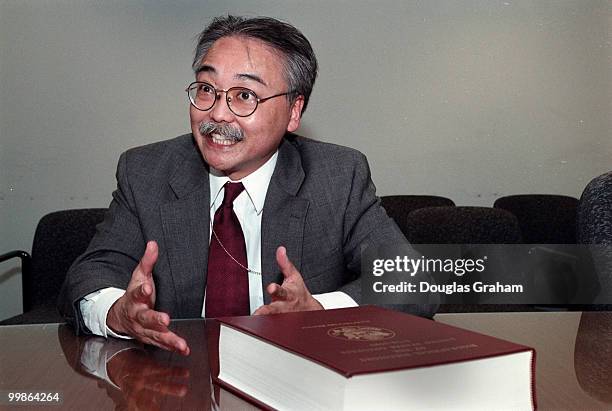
pixel 543 218
pixel 465 225
pixel 60 238
pixel 462 225
pixel 399 206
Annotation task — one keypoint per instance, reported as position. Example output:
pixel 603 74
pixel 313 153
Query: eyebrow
pixel 248 76
pixel 205 68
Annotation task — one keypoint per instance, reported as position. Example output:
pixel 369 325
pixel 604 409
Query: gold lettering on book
pixel 360 333
pixel 419 353
pixel 307 327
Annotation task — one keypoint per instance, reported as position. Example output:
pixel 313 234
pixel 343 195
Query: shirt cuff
pixel 95 307
pixel 336 299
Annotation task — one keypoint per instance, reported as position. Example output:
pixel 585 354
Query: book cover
pixel 367 340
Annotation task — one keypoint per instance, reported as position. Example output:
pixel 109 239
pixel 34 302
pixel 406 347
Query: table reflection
pixel 573 366
pixel 139 377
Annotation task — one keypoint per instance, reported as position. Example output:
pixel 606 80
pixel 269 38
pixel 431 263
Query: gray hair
pixel 300 62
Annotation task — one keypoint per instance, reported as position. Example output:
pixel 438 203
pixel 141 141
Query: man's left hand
pixel 292 294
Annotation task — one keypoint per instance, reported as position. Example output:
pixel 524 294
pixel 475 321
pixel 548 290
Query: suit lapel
pixel 283 216
pixel 186 223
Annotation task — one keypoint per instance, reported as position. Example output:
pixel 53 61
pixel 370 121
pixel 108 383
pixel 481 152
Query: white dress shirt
pixel 248 206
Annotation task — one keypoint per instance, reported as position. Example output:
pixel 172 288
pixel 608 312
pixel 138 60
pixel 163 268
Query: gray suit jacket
pixel 321 205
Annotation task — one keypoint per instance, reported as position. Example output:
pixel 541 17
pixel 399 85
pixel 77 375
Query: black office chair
pixel 462 225
pixel 551 219
pixel 60 238
pixel 465 226
pixel 543 218
pixel 399 206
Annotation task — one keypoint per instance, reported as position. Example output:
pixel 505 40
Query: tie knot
pixel 232 190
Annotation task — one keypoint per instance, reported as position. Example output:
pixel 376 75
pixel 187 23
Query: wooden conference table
pixel 573 369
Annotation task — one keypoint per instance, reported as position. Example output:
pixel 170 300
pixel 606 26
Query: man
pixel 200 224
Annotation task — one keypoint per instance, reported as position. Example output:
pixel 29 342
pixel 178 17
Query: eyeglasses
pixel 241 101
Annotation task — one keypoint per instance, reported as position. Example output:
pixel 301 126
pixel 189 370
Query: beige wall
pixel 472 100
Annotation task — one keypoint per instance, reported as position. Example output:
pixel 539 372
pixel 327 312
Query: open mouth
pixel 221 134
pixel 223 140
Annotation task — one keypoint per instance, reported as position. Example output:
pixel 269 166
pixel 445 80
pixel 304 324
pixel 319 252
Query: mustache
pixel 224 130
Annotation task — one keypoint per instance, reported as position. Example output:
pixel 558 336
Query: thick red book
pixel 369 358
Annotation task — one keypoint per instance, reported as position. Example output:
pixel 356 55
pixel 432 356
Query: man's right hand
pixel 133 313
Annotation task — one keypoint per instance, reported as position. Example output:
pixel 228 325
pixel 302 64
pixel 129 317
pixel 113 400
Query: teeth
pixel 217 139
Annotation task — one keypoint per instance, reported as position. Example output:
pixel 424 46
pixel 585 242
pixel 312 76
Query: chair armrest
pixel 26 264
pixel 23 255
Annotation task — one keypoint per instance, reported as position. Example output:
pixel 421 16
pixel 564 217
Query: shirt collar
pixel 255 184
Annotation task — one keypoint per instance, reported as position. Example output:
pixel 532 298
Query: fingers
pixel 285 265
pixel 147 262
pixel 263 310
pixel 133 313
pixel 151 327
pixel 272 308
pixel 292 294
pixel 277 292
pixel 142 293
pixel 292 278
pixel 145 324
pixel 153 320
pixel 149 258
pixel 166 340
pixel 260 311
pixel 141 287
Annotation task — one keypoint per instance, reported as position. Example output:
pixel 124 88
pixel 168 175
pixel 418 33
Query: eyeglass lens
pixel 241 101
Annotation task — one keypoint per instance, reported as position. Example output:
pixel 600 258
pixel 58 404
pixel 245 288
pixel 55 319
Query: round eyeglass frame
pixel 218 92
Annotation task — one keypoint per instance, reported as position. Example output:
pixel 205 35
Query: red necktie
pixel 227 285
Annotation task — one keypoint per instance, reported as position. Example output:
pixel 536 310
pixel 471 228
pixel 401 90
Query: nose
pixel 220 111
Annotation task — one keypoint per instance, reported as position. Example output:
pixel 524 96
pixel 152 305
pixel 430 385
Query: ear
pixel 296 114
